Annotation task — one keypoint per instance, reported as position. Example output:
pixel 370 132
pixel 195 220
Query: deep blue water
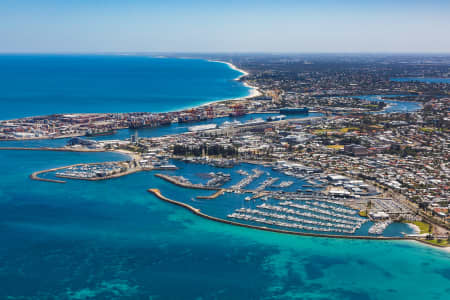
pixel 45 84
pixel 113 240
pixel 422 79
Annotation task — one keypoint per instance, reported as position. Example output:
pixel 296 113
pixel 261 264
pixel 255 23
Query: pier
pixel 247 180
pixel 213 196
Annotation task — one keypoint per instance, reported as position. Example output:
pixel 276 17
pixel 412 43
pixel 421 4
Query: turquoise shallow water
pixel 113 240
pixel 45 84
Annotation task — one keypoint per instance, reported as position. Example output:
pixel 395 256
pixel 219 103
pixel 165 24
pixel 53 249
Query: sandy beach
pixel 414 227
pixel 244 73
pixel 254 93
pixel 430 246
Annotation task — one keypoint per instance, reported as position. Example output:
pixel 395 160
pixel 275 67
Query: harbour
pixel 303 205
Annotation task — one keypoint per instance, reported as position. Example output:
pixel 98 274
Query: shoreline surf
pixel 254 91
pixel 251 91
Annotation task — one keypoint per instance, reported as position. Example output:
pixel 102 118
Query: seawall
pixel 51 149
pixel 197 211
pixel 185 185
pixel 35 175
pixel 213 196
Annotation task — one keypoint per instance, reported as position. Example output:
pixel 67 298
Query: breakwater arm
pixel 213 196
pixel 51 149
pixel 35 175
pixel 197 211
pixel 185 185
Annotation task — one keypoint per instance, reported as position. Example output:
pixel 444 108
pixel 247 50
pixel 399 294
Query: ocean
pixel 45 84
pixel 113 240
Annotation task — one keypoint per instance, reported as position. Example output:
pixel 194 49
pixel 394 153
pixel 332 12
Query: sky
pixel 325 26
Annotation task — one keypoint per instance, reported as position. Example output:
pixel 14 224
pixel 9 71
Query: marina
pixel 286 226
pixel 135 206
pixel 290 204
pixel 307 212
pixel 256 173
pixel 337 224
pixel 379 227
pixel 91 171
pixel 304 189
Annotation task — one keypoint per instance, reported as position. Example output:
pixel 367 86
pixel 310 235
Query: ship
pixel 191 119
pixel 257 121
pixel 227 124
pixel 294 110
pixel 202 127
pixel 152 124
pixel 99 132
pixel 276 118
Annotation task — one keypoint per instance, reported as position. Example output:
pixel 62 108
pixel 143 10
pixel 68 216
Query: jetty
pixel 213 196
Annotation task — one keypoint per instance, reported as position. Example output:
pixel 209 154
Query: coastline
pixel 414 227
pixel 233 67
pixel 35 176
pixel 417 242
pixel 254 92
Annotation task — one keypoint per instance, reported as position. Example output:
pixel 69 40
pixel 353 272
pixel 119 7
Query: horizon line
pixel 225 52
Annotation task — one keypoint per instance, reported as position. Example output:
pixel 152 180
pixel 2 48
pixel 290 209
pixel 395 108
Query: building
pixel 356 150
